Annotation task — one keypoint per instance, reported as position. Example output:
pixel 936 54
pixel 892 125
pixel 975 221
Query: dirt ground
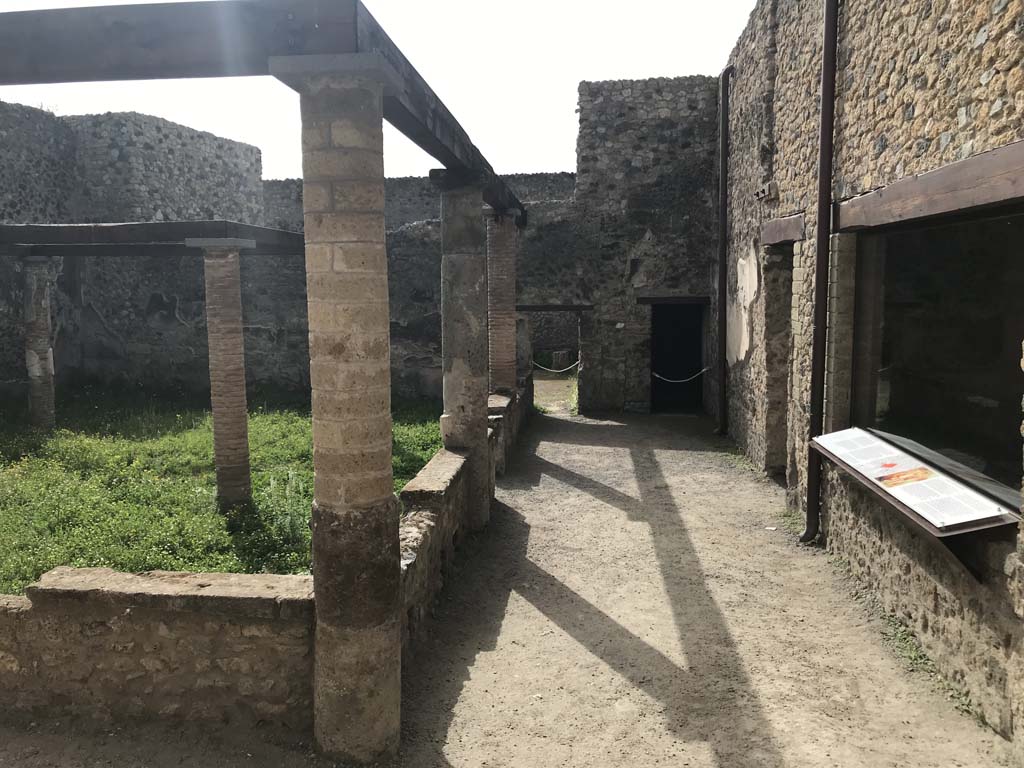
pixel 635 602
pixel 553 392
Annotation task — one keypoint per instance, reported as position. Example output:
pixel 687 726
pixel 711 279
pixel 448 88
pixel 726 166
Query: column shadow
pixel 711 700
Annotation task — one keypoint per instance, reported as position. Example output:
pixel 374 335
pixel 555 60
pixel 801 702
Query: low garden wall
pixel 222 648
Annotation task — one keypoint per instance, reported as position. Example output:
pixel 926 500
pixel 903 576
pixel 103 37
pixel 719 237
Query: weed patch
pixel 132 487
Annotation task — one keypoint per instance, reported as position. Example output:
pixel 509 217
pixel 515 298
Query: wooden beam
pixel 226 38
pixel 416 111
pixel 159 234
pixel 168 40
pixel 668 299
pixel 989 179
pixel 788 229
pixel 554 307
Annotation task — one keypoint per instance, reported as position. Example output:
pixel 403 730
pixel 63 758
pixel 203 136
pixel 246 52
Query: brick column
pixel 227 375
pixel 356 556
pixel 39 276
pixel 502 254
pixel 464 337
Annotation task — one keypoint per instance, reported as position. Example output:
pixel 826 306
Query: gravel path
pixel 635 602
pixel 631 606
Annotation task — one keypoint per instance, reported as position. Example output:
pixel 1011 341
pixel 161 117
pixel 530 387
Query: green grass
pixel 131 486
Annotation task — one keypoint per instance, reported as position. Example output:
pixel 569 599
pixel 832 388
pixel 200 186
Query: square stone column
pixel 464 335
pixel 39 274
pixel 226 342
pixel 356 555
pixel 502 254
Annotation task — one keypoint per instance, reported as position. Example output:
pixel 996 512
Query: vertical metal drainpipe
pixel 723 243
pixel 821 261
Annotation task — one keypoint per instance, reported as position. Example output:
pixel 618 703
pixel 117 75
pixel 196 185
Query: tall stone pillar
pixel 39 275
pixel 356 556
pixel 464 336
pixel 227 369
pixel 502 254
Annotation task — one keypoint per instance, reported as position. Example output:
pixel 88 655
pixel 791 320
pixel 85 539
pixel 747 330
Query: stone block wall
pixel 410 199
pixel 555 331
pixel 140 320
pixel 925 83
pixel 435 508
pixel 141 168
pixel 223 648
pixel 920 84
pixel 40 172
pixel 38 179
pixel 970 625
pixel 646 220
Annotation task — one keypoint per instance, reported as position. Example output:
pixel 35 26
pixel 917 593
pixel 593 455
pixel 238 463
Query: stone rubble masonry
pixel 39 277
pixel 356 555
pixel 920 84
pixel 212 648
pixel 227 376
pixel 464 341
pixel 409 199
pixel 502 253
pixel 645 216
pixel 141 168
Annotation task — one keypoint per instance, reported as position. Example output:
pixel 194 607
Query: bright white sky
pixel 507 71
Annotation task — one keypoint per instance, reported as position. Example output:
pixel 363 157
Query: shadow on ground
pixel 709 701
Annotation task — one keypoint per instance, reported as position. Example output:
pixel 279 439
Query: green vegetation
pixel 131 486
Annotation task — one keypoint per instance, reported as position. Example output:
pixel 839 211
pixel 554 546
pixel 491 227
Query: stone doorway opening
pixel 677 358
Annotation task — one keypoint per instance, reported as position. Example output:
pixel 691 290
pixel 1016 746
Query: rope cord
pixel 564 370
pixel 680 381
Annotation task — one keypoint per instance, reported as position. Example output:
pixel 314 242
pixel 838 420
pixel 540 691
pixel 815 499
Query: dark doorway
pixel 677 357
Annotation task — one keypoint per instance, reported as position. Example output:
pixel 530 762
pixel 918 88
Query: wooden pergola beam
pixel 170 236
pixel 233 38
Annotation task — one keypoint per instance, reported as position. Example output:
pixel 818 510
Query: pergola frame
pixel 221 244
pixel 235 38
pixel 350 77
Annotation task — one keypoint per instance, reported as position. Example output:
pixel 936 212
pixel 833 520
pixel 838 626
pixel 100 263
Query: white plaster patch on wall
pixel 739 329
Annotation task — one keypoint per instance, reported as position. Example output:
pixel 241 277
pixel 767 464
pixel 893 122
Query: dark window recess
pixel 677 352
pixel 938 342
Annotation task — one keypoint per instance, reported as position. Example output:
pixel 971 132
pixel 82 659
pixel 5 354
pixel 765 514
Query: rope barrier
pixel 564 370
pixel 680 381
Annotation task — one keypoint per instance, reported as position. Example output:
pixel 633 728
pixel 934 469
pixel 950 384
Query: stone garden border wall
pixel 218 648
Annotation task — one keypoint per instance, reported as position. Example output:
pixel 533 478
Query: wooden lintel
pixel 670 299
pixel 554 307
pixel 788 229
pixel 990 179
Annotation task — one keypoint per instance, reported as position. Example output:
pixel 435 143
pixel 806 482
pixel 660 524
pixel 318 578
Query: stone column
pixel 39 276
pixel 356 556
pixel 502 254
pixel 227 371
pixel 464 337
